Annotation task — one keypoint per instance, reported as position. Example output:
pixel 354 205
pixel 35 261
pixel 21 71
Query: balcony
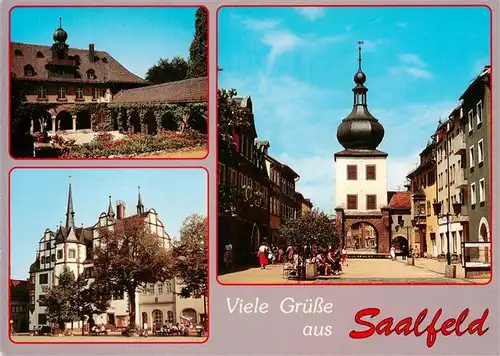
pixel 460 180
pixel 460 148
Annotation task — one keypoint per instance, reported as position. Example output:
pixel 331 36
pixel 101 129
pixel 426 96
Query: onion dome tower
pixel 60 47
pixel 360 130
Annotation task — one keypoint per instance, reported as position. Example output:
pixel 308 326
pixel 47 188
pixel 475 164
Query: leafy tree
pixel 198 62
pixel 166 70
pixel 129 257
pixel 90 299
pixel 314 228
pixel 191 257
pixel 60 299
pixel 21 141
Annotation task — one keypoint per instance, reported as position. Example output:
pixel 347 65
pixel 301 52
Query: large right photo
pixel 354 145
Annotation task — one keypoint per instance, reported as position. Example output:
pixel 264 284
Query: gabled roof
pixel 106 68
pixel 400 201
pixel 182 91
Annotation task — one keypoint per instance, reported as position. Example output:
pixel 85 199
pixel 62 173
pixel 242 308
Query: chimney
pixel 91 52
pixel 120 210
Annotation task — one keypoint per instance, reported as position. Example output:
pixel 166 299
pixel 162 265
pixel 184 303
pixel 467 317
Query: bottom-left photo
pixel 106 255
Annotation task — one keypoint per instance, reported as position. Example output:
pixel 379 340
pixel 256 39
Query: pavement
pixel 106 339
pixel 359 271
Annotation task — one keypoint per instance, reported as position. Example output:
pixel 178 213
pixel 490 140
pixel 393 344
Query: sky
pixel 298 64
pixel 135 37
pixel 39 199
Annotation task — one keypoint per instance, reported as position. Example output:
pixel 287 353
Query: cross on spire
pixel 60 22
pixel 359 53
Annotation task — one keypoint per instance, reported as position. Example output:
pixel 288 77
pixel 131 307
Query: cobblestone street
pixel 376 271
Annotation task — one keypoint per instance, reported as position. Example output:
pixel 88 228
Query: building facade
pixel 243 175
pixel 19 302
pixel 476 104
pixel 424 194
pixel 361 169
pixel 69 246
pixel 59 77
pixel 305 205
pixel 451 185
pixel 402 237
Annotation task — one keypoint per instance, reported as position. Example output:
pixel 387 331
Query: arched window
pixel 170 316
pixel 91 74
pixel 157 317
pixel 190 314
pixel 28 71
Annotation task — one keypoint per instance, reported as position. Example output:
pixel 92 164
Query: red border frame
pixel 109 6
pixel 123 342
pixel 490 146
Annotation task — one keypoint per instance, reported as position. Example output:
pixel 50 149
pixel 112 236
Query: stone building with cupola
pixel 61 77
pixel 361 170
pixel 72 246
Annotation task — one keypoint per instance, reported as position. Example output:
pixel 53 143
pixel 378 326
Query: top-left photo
pixel 108 83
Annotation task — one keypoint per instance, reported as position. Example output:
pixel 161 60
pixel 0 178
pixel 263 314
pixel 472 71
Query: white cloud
pixel 311 13
pixel 372 45
pixel 401 24
pixel 348 27
pixel 280 42
pixel 261 25
pixel 411 58
pixel 412 65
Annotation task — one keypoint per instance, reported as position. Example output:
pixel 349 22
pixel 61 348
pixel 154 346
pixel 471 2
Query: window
pixel 41 300
pixel 472 161
pixel 96 93
pixel 42 319
pixel 39 54
pixel 454 241
pixel 168 288
pixel 482 192
pixel 157 317
pixel 59 254
pixel 29 71
pixel 473 194
pixel 42 260
pixel 352 202
pixel 104 60
pixel 42 93
pixel 61 94
pixel 18 52
pixel 79 93
pixel 352 172
pixel 151 289
pixel 91 74
pixel 442 243
pixel 170 316
pixel 371 172
pixel 479 112
pixel 371 202
pixel 160 288
pixel 71 253
pixel 234 177
pixel 470 117
pixel 480 151
pixel 43 278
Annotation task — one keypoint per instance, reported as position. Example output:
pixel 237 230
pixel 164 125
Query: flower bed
pixel 104 145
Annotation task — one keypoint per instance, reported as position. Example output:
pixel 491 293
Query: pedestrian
pixel 393 253
pixel 344 256
pixel 228 254
pixel 145 329
pixel 262 254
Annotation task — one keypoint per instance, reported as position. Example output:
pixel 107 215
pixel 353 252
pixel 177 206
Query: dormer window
pixel 39 54
pixel 104 60
pixel 28 71
pixel 18 52
pixel 91 74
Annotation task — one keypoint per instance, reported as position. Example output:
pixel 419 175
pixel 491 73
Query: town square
pixel 118 256
pixel 137 90
pixel 351 150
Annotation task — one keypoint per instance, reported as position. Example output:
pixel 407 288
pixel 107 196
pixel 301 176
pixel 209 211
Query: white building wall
pixel 456 229
pixel 361 186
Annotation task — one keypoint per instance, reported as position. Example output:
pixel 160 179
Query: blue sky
pixel 298 64
pixel 135 37
pixel 39 199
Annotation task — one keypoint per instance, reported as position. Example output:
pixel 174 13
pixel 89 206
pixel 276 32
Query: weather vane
pixel 359 53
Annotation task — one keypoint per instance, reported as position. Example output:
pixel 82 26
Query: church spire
pixel 111 213
pixel 140 206
pixel 70 212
